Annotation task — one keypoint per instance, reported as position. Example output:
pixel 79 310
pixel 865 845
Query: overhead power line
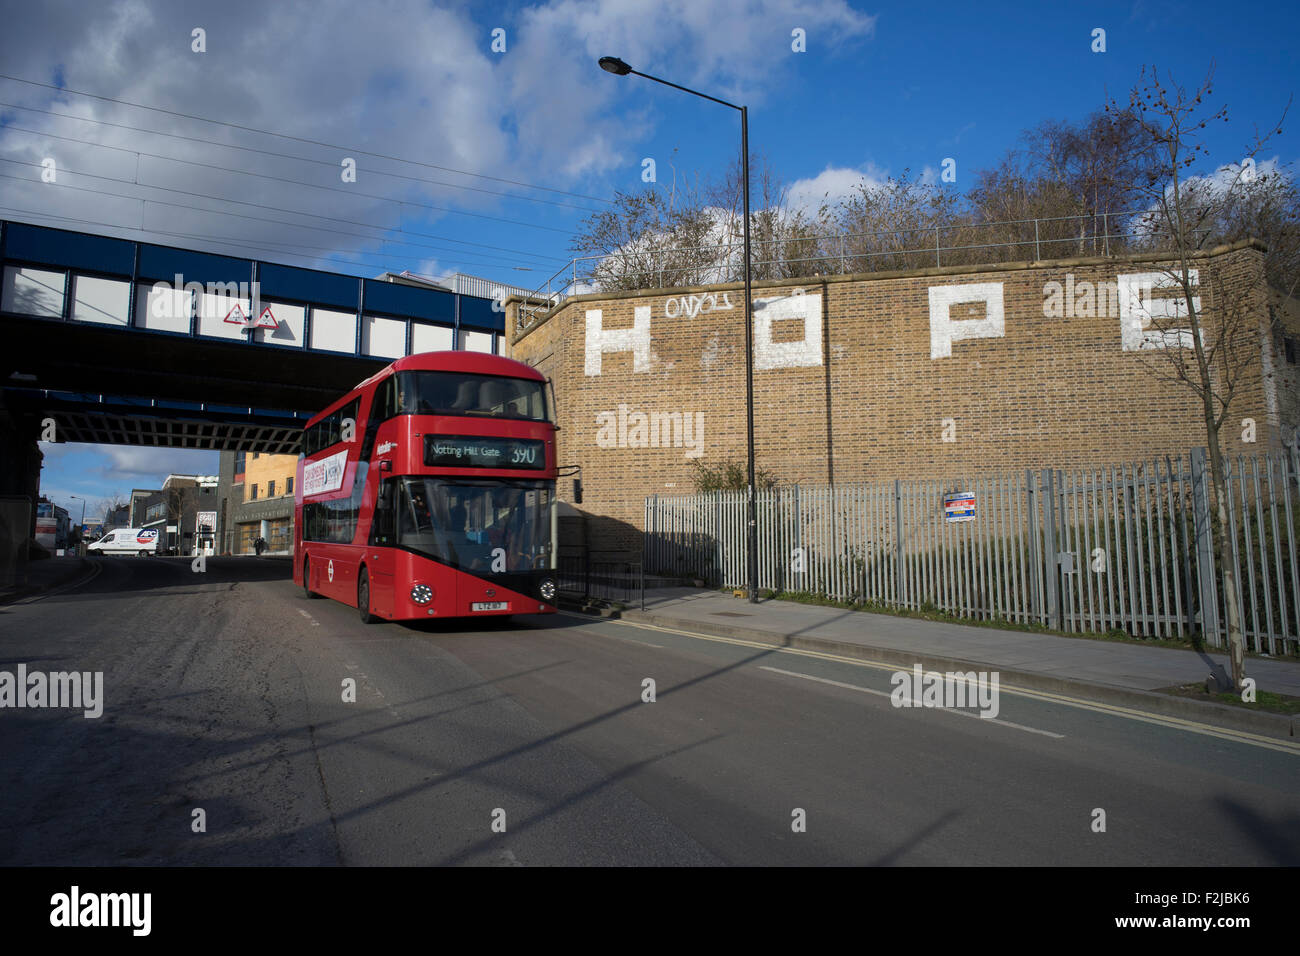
pixel 281 179
pixel 266 152
pixel 278 222
pixel 299 139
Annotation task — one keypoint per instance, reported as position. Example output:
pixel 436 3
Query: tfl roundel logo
pixel 148 536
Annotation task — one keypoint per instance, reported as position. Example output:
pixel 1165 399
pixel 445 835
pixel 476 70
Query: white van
pixel 141 541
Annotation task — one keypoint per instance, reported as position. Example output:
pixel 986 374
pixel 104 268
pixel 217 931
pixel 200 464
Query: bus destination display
pixel 464 451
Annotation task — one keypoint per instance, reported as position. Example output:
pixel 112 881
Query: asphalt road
pixel 224 692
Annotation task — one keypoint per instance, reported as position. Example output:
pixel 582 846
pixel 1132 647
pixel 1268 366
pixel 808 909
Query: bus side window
pixel 382 526
pixel 386 400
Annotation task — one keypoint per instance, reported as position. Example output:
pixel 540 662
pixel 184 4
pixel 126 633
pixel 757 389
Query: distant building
pixel 52 525
pixel 484 288
pixel 137 505
pixel 410 278
pixel 191 502
pixel 255 499
pixel 119 517
pixel 151 512
pixel 471 340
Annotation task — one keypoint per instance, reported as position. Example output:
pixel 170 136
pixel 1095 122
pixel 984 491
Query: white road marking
pixel 1113 710
pixel 591 620
pixel 881 693
pixel 629 640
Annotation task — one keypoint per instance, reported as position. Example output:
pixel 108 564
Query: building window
pixel 288 485
pixel 239 466
pixel 270 488
pixel 252 496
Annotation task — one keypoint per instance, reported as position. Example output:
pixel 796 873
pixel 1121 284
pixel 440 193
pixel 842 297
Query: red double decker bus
pixel 429 491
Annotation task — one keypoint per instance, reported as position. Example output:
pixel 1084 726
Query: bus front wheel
pixel 363 598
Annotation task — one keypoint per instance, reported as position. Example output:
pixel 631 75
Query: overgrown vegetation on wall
pixel 1091 180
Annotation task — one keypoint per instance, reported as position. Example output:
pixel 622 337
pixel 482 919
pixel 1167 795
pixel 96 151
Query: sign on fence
pixel 1131 547
pixel 959 506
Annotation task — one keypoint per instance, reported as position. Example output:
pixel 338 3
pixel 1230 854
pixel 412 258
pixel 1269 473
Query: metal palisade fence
pixel 1136 547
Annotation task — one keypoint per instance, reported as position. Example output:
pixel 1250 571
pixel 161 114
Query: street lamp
pixel 612 64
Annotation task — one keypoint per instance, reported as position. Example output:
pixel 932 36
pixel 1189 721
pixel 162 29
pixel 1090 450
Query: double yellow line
pixel 1128 713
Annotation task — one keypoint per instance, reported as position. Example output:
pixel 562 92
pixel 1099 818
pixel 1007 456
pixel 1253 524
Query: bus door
pixel 380 554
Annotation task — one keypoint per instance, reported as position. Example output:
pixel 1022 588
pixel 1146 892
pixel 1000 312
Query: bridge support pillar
pixel 20 482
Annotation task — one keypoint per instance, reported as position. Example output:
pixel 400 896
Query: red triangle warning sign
pixel 236 316
pixel 266 320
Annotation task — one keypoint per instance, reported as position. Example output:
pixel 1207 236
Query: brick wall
pixel 864 377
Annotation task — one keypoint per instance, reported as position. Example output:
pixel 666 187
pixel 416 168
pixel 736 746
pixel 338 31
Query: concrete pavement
pixel 1110 671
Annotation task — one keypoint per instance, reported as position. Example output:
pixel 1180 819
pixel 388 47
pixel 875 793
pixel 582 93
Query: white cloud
pixel 832 185
pixel 127 463
pixel 733 49
pixel 397 77
pixel 1212 188
pixel 403 79
pixel 56 451
pixel 1239 173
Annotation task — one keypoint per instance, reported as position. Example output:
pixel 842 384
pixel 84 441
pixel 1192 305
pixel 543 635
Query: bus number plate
pixel 490 606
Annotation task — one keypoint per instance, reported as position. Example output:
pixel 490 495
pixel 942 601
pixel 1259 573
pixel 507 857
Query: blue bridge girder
pixel 129 342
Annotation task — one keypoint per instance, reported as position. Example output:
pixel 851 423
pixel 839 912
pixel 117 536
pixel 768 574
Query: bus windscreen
pixel 495 527
pixel 461 393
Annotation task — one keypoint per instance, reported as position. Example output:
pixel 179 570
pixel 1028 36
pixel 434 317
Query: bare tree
pixel 113 502
pixel 894 224
pixel 785 241
pixel 688 235
pixel 180 499
pixel 1065 190
pixel 1212 341
pixel 655 237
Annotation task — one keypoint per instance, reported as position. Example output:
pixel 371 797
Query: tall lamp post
pixel 612 64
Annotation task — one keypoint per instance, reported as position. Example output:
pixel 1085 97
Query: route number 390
pixel 524 456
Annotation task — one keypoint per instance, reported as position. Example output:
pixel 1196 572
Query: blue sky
pixel 537 135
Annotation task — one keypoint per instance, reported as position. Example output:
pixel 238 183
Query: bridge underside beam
pixel 167 433
pixel 86 358
pixel 89 420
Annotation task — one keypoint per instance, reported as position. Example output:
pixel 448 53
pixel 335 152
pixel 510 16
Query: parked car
pixel 141 541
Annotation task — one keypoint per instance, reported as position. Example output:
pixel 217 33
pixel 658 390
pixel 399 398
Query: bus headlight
pixel 547 589
pixel 421 594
